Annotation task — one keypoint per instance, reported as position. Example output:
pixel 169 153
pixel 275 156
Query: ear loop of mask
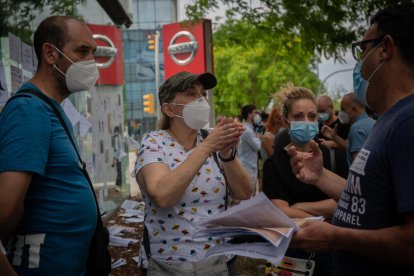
pixel 54 65
pixel 61 52
pixel 175 115
pixel 378 66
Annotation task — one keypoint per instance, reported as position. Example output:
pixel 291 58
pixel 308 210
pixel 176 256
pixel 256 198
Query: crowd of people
pixel 348 165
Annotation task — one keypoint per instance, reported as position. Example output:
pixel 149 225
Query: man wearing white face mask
pixel 46 202
pixel 328 118
pixel 373 225
pixel 250 144
pixel 178 171
pixel 352 112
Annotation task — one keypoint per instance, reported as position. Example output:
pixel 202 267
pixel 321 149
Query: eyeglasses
pixel 357 50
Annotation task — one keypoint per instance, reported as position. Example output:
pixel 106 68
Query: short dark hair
pixel 245 110
pixel 52 30
pixel 354 100
pixel 398 22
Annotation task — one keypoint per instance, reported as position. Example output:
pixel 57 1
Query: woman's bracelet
pixel 231 158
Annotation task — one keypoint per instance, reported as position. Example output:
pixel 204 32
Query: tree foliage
pixel 16 16
pixel 325 26
pixel 251 65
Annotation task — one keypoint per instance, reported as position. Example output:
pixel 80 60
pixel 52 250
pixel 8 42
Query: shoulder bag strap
pixel 204 133
pixel 62 121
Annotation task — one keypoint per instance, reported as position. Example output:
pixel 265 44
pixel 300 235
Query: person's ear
pixel 167 109
pixel 49 53
pixel 388 48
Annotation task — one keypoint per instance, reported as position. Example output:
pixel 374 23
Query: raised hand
pixel 307 166
pixel 224 136
pixel 328 132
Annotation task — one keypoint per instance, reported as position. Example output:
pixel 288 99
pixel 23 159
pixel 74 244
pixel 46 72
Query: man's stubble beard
pixel 61 81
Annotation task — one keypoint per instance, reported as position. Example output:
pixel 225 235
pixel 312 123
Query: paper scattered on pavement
pixel 118 241
pixel 134 220
pixel 136 258
pixel 118 229
pixel 118 263
pixel 129 204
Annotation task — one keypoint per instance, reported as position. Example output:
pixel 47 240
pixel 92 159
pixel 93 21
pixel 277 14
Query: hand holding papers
pixel 254 217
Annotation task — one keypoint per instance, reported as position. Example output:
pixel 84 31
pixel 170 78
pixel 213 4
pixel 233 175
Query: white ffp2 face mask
pixel 343 117
pixel 196 114
pixel 81 75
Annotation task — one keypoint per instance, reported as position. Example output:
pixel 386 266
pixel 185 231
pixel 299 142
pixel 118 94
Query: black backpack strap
pixel 146 243
pixel 204 133
pixel 63 123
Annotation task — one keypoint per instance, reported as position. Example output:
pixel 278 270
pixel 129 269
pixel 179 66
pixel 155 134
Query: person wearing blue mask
pixel 294 198
pixel 373 226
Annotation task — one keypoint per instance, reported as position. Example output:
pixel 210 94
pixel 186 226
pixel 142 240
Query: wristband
pixel 231 158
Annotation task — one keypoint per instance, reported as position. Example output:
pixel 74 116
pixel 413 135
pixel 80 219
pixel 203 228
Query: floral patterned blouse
pixel 170 230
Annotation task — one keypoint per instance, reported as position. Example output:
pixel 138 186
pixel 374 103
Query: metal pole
pixel 157 74
pixel 330 75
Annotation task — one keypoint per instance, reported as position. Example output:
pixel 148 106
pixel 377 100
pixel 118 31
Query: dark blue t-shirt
pixel 59 218
pixel 380 186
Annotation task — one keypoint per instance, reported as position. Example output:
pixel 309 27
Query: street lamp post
pixel 157 73
pixel 330 75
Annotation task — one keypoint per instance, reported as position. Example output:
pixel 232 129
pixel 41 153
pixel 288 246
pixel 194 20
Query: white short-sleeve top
pixel 170 230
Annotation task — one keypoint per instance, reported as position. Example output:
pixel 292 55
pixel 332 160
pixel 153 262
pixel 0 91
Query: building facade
pixel 148 17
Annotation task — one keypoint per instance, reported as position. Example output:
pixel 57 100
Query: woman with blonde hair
pixel 297 199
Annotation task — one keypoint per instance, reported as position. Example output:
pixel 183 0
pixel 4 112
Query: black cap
pixel 181 82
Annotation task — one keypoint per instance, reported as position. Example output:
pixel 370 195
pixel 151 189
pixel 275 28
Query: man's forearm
pixel 331 184
pixel 317 208
pixel 341 143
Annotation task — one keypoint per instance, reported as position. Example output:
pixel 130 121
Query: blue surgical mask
pixel 302 132
pixel 323 117
pixel 360 84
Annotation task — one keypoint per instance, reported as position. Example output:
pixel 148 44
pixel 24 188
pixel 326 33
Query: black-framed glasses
pixel 357 50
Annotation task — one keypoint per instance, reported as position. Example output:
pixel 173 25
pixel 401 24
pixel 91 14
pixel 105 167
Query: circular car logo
pixel 176 50
pixel 105 51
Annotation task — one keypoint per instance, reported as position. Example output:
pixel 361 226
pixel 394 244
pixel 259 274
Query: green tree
pixel 325 26
pixel 251 65
pixel 16 16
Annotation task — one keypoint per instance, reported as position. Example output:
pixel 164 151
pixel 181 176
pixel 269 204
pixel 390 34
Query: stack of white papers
pixel 254 217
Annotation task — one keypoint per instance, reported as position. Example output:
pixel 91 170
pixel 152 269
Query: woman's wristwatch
pixel 231 158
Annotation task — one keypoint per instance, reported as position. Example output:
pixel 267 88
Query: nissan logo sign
pixel 183 48
pixel 105 51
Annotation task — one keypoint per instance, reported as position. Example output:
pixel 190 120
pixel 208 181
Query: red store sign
pixel 109 55
pixel 188 48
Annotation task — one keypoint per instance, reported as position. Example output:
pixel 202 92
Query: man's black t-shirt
pixel 342 129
